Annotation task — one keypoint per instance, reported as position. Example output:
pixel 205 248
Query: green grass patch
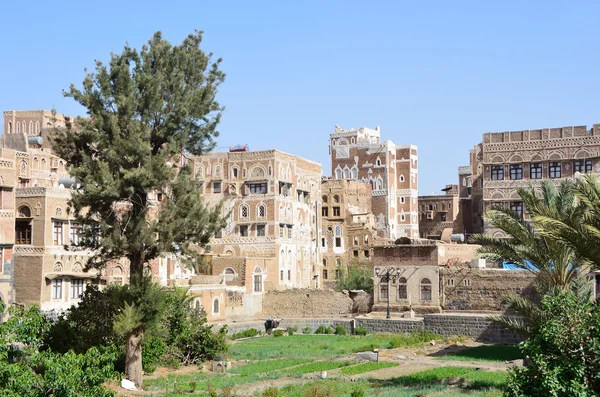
pixel 315 367
pixel 320 346
pixel 263 367
pixel 365 367
pixel 486 353
pixel 477 379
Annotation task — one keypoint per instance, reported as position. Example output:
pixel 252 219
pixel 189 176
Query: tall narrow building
pixel 391 170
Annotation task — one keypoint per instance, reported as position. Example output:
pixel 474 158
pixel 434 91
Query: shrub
pixel 290 331
pixel 324 329
pixel 358 277
pixel 563 351
pixel 271 392
pixel 360 331
pixel 357 392
pixel 278 332
pixel 306 330
pixel 340 330
pixel 248 333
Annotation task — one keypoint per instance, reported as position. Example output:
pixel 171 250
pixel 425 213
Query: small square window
pixel 355 253
pixel 260 230
pixel 216 187
pixel 336 211
pixel 244 230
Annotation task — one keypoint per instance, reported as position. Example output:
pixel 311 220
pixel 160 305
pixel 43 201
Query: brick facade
pixel 391 170
pixel 438 213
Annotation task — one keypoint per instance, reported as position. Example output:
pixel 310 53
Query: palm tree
pixel 532 245
pixel 580 230
pixel 528 246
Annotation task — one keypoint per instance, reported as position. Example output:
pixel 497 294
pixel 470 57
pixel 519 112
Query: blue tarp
pixel 512 266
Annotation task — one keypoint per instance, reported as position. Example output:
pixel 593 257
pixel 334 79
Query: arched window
pixel 257 279
pixel 37 127
pixel 197 304
pixel 117 271
pixel 338 262
pixel 425 289
pixel 24 128
pixel 77 267
pixel 354 173
pixel 43 166
pixel 59 211
pixel 443 207
pixel 234 172
pixel 217 171
pixel 324 262
pixel 324 199
pixel 243 211
pixel 31 128
pixel 147 270
pixel 18 127
pixel 401 178
pixel 10 127
pixel 36 163
pixel 378 161
pixel 402 292
pixel 24 212
pixel 430 207
pixel 338 173
pixel 58 268
pixel 258 172
pixel 216 306
pixel 200 173
pixel 262 211
pixel 366 239
pixel 347 173
pixel 336 199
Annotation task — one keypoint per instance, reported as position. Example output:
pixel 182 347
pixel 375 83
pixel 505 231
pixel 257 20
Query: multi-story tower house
pixel 438 213
pixel 347 226
pixel 391 170
pixel 506 161
pixel 271 198
pixel 7 225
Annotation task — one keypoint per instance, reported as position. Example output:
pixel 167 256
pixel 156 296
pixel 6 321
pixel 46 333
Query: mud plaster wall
pixel 306 303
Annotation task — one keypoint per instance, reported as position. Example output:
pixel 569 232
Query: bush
pixel 278 332
pixel 248 333
pixel 323 329
pixel 563 351
pixel 306 330
pixel 357 392
pixel 340 330
pixel 290 331
pixel 271 392
pixel 358 278
pixel 360 331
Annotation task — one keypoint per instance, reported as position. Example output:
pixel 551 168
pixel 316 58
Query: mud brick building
pixel 437 213
pixel 347 227
pixel 391 170
pixel 506 161
pixel 271 198
pixel 7 224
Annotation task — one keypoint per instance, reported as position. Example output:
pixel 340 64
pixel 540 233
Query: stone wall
pixel 476 326
pixel 466 288
pixel 306 303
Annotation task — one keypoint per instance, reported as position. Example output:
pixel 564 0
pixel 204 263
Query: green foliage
pixel 290 331
pixel 360 331
pixel 306 331
pixel 247 333
pixel 436 375
pixel 263 367
pixel 486 353
pixel 324 329
pixel 412 339
pixel 35 373
pixel 563 351
pixel 366 367
pixel 315 367
pixel 357 392
pixel 278 332
pixel 271 392
pixel 340 330
pixel 358 278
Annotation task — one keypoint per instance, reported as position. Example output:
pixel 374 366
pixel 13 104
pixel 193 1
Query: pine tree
pixel 148 109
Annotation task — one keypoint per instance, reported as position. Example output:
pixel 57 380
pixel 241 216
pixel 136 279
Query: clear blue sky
pixel 434 74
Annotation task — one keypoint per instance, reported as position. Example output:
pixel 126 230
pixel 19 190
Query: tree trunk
pixel 133 357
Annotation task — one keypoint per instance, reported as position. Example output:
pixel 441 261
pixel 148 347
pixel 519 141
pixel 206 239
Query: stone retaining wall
pixel 476 326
